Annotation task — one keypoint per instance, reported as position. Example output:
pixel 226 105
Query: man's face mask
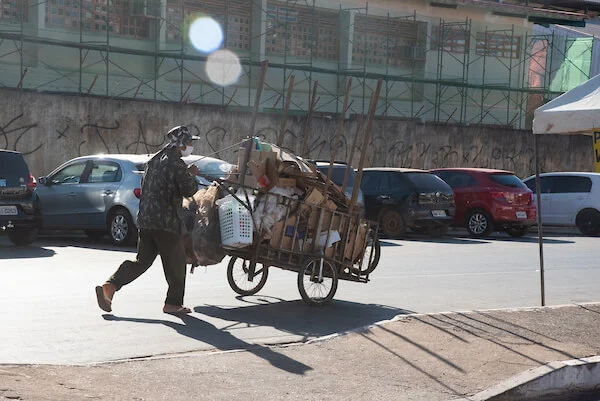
pixel 187 151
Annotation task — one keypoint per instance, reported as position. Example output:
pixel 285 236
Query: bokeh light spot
pixel 206 34
pixel 223 67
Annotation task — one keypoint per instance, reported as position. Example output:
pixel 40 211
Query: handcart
pixel 320 244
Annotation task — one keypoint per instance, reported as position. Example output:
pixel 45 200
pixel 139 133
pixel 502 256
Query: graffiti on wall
pixel 506 150
pixel 12 133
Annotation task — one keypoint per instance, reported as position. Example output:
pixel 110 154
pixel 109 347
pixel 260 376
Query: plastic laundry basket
pixel 235 221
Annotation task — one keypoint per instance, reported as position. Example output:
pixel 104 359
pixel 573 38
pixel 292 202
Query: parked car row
pixel 98 194
pixel 480 200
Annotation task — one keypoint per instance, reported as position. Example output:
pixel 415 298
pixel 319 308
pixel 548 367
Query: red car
pixel 488 200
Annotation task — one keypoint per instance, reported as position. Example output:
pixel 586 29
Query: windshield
pixel 213 168
pixel 426 182
pixel 507 180
pixel 338 174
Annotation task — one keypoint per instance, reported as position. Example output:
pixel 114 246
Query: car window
pixel 530 184
pixel 426 182
pixel 457 179
pixel 545 182
pixel 338 174
pixel 104 172
pixel 69 175
pixel 507 180
pixel 214 168
pixel 387 183
pixel 570 184
pixel 370 182
pixel 13 168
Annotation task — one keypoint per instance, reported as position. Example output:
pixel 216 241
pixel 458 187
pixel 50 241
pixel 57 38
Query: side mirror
pixel 43 181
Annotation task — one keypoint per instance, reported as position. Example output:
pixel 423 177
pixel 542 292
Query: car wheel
pixel 94 234
pixel 22 237
pixel 517 231
pixel 479 223
pixel 121 229
pixel 588 222
pixel 391 223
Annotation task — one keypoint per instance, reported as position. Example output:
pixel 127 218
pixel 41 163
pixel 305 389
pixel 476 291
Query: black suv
pixel 20 212
pixel 407 198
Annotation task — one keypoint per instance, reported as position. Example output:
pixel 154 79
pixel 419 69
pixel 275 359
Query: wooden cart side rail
pixel 290 248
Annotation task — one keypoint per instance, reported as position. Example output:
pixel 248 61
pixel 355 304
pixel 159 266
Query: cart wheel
pixel 238 276
pixel 317 285
pixel 372 253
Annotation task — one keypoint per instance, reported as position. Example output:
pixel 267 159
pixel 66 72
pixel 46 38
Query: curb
pixel 566 380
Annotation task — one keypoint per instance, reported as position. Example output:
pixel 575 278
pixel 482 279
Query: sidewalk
pixel 433 357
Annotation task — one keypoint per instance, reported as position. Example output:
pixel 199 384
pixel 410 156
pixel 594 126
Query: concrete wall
pixel 51 129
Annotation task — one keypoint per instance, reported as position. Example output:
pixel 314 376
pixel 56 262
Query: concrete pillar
pixel 259 27
pixel 36 22
pixel 346 38
pixel 159 30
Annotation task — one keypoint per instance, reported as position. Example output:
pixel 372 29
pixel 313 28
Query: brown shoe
pixel 104 295
pixel 176 309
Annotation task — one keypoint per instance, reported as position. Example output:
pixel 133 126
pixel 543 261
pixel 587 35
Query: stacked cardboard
pixel 299 211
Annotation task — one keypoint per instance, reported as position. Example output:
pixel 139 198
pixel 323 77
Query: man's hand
pixel 193 169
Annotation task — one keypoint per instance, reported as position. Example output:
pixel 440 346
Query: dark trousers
pixel 152 243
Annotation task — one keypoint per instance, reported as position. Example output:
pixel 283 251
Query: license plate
pixel 438 213
pixel 8 210
pixel 2 182
pixel 521 215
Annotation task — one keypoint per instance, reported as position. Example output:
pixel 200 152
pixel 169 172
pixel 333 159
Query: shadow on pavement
pixel 200 330
pixel 297 318
pixel 32 251
pixel 103 244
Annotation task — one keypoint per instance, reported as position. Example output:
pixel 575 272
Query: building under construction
pixel 449 61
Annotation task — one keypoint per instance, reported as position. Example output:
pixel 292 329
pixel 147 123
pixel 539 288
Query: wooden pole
pixel 286 109
pixel 261 83
pixel 313 102
pixel 340 130
pixel 365 144
pixel 359 124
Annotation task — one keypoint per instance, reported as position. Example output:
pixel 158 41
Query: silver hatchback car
pixel 97 194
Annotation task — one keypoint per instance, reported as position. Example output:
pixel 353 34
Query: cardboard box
pixel 286 182
pixel 283 235
pixel 315 197
pixel 355 243
pixel 250 181
pixel 256 155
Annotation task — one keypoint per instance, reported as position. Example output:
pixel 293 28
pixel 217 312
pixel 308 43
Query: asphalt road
pixel 48 311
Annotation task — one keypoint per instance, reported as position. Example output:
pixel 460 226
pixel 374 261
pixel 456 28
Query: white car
pixel 570 199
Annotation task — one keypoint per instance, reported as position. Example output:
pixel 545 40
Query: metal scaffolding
pixel 459 72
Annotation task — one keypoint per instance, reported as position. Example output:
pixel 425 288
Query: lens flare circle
pixel 223 67
pixel 206 35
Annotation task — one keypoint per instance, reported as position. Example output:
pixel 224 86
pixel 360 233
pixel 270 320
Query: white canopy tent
pixel 574 112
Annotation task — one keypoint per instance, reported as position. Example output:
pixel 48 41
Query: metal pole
pixel 286 109
pixel 538 196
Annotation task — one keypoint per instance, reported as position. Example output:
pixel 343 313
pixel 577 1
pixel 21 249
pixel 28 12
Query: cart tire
pixel 317 292
pixel 237 276
pixel 373 247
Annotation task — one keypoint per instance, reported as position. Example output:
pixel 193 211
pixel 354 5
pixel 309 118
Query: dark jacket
pixel 165 182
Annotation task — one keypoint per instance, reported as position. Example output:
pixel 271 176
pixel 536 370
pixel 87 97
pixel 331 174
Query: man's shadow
pixel 200 330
